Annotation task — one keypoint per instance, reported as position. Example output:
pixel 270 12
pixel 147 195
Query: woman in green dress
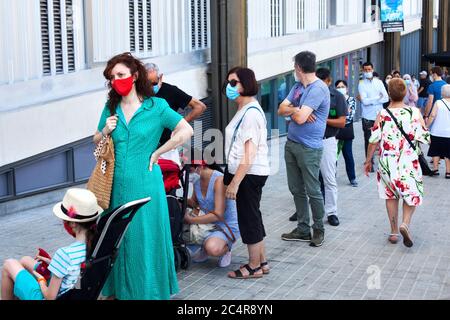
pixel 144 269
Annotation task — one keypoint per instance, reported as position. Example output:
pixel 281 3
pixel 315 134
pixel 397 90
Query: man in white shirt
pixel 373 95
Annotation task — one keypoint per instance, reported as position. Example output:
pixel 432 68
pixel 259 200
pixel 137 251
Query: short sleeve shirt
pixel 435 89
pixel 66 265
pixel 424 83
pixel 338 108
pixel 177 100
pixel 253 127
pixel 316 96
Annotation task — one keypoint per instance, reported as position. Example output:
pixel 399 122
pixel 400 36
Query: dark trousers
pixel 347 151
pixel 248 202
pixel 367 128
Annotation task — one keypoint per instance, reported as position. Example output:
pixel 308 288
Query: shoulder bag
pixel 101 180
pixel 423 162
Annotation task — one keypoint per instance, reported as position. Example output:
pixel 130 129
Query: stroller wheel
pixel 177 257
pixel 185 258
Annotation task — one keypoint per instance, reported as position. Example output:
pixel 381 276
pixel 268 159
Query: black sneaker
pixel 295 235
pixel 293 218
pixel 317 239
pixel 333 221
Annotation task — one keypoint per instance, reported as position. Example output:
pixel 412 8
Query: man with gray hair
pixel 176 98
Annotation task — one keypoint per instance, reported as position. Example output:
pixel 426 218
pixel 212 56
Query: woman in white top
pixel 247 167
pixel 439 123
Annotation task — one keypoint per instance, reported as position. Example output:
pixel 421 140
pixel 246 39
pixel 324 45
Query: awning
pixel 441 59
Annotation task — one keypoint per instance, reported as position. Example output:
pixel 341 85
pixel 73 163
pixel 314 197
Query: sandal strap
pixel 250 270
pixel 238 274
pixel 264 264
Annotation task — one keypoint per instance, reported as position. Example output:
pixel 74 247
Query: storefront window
pixel 283 88
pixel 266 100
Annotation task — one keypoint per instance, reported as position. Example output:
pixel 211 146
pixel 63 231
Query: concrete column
pixel 443 26
pixel 392 51
pixel 228 49
pixel 427 31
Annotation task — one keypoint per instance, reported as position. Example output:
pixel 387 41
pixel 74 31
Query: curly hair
pixel 143 86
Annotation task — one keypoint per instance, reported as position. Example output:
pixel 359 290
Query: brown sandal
pixel 252 273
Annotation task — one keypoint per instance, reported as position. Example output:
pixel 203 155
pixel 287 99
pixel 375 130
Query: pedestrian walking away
pixel 399 173
pixel 439 124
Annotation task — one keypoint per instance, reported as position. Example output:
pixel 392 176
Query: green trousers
pixel 303 166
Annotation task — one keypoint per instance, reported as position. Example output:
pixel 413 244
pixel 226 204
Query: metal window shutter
pixel 132 28
pixel 45 39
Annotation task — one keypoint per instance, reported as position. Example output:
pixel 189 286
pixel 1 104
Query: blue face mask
pixel 156 89
pixel 408 82
pixel 232 92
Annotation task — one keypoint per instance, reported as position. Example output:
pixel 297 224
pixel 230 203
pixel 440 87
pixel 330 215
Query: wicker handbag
pixel 101 180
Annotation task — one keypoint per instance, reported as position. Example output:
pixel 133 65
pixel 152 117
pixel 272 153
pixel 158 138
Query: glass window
pixel 46 173
pixel 283 88
pixel 267 103
pixel 4 184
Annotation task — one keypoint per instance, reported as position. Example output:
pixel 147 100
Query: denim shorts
pixel 26 287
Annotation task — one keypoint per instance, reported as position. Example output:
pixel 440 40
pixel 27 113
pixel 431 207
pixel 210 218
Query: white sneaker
pixel 225 260
pixel 200 256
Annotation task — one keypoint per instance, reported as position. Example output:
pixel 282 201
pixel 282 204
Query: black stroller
pixel 111 230
pixel 177 207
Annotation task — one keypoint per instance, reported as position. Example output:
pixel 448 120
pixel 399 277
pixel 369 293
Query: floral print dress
pixel 399 174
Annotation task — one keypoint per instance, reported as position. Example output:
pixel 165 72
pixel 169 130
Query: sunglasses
pixel 155 83
pixel 233 83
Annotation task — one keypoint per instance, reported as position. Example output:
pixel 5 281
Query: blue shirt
pixel 316 96
pixel 66 265
pixel 435 89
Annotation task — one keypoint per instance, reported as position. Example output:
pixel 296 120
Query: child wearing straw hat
pixel 79 211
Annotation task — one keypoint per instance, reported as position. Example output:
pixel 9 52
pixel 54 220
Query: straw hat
pixel 78 205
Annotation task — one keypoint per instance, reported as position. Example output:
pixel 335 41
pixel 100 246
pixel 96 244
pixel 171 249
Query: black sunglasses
pixel 233 83
pixel 155 83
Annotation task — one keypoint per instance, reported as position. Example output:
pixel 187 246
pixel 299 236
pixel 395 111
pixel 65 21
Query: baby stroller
pixel 175 179
pixel 111 230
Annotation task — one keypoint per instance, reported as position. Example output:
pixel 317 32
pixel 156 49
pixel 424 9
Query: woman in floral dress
pixel 399 174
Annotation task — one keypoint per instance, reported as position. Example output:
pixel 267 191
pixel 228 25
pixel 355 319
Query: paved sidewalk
pixel 352 256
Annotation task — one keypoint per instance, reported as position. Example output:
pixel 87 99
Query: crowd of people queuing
pixel 141 115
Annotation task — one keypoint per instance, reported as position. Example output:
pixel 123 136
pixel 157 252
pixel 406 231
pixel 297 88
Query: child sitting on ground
pixel 79 211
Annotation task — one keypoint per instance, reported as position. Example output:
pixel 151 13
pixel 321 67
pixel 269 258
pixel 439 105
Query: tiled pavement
pixel 356 261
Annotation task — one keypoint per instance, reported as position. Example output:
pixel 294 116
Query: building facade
pixel 53 52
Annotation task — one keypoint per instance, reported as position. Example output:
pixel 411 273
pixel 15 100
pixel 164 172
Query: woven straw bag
pixel 101 180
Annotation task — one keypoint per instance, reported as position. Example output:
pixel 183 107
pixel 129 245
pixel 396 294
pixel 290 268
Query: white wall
pixel 20 45
pixel 280 60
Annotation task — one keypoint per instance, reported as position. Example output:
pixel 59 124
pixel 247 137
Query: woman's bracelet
pixel 40 280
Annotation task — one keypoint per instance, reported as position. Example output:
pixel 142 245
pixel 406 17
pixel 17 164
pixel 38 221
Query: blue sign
pixel 392 16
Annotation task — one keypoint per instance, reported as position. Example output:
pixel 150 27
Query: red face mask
pixel 69 229
pixel 123 86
